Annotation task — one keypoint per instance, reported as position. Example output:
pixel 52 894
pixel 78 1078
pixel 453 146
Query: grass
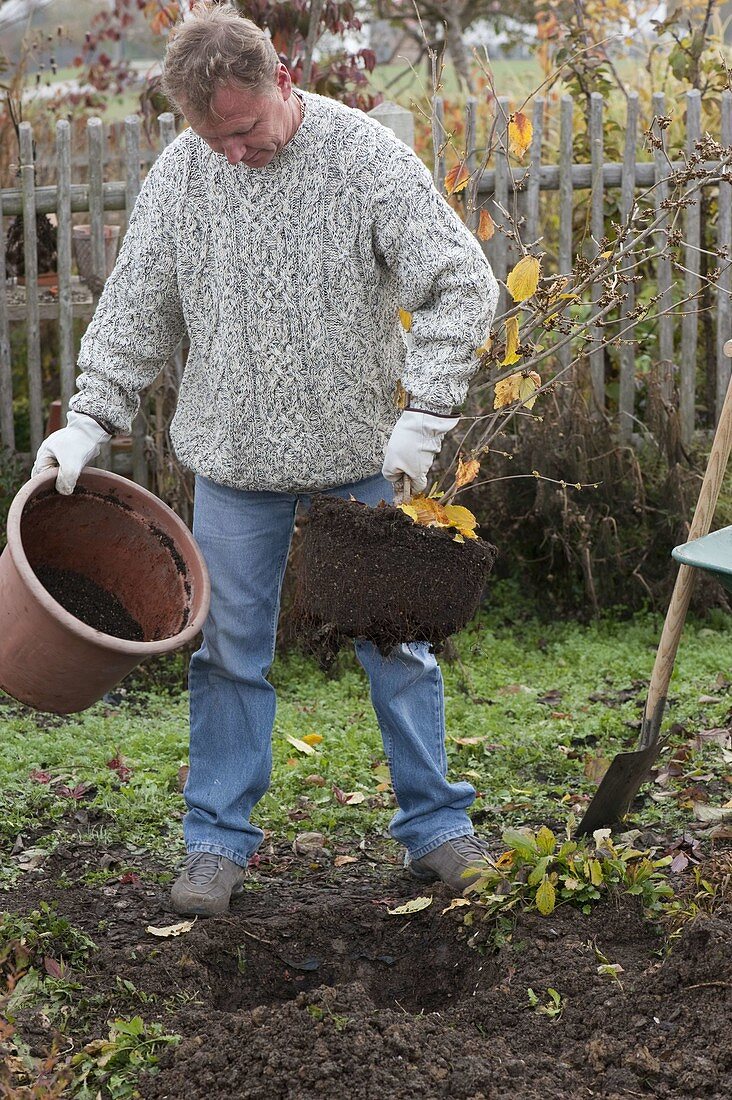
pixel 530 707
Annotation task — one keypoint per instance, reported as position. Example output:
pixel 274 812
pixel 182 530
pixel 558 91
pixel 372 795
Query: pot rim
pixel 104 479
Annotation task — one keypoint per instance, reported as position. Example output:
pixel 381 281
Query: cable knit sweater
pixel 287 280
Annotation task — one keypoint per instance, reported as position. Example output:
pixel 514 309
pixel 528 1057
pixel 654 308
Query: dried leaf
pixel 520 133
pixel 486 226
pixel 406 319
pixel 456 903
pixel 171 929
pixel 413 906
pixel 467 471
pixel 343 861
pixel 300 744
pixel 713 815
pixel 517 387
pixel 355 798
pixel 523 280
pixel 457 179
pixel 595 767
pixel 512 343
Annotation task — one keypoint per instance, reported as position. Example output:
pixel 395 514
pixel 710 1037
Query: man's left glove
pixel 414 443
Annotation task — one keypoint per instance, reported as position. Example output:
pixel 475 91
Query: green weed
pixel 541 871
pixel 114 1064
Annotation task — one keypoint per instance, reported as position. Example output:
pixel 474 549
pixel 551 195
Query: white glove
pixel 411 450
pixel 71 449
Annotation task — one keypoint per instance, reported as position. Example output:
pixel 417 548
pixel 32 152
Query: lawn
pixel 310 957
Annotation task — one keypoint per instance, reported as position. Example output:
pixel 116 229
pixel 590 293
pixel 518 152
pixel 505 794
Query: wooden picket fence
pixel 501 188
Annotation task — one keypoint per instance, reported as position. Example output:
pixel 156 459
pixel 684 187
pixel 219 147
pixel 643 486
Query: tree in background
pixel 296 27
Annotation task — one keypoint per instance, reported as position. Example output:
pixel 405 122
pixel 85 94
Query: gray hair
pixel 215 46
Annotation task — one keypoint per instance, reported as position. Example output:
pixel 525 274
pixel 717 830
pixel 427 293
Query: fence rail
pixel 504 190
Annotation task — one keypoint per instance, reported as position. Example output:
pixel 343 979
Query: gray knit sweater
pixel 287 280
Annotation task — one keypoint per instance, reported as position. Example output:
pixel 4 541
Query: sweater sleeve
pixel 138 322
pixel 443 279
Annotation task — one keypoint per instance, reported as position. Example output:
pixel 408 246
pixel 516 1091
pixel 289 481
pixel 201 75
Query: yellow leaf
pixel 520 132
pixel 429 511
pixel 460 517
pixel 458 538
pixel 467 471
pixel 409 511
pixel 512 343
pixel 530 382
pixel 313 738
pixel 301 746
pixel 412 906
pixel 546 897
pixel 485 348
pixel 406 320
pixel 457 179
pixel 486 226
pixel 524 279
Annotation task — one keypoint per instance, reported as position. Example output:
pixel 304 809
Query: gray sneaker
pixel 458 862
pixel 206 884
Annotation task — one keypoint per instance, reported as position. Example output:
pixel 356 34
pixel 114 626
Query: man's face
pixel 248 127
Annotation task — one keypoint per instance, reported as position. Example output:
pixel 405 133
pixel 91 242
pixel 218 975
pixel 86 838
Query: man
pixel 281 232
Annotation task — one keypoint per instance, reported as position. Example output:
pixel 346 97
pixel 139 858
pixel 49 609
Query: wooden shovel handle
pixel 406 489
pixel 681 596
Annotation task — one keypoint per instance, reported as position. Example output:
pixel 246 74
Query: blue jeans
pixel 245 539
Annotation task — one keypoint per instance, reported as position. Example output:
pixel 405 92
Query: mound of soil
pixel 89 602
pixel 310 988
pixel 373 573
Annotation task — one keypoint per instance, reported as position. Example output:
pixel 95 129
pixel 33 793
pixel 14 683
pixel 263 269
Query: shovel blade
pixel 618 788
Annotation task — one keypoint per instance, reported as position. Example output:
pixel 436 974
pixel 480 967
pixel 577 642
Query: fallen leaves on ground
pixel 413 906
pixel 171 929
pixel 300 744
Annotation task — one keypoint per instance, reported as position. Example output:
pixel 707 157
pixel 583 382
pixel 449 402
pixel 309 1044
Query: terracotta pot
pixel 125 540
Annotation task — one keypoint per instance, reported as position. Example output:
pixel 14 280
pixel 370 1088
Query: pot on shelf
pixel 116 536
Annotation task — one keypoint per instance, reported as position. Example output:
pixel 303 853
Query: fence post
pixel 397 119
pixel 626 394
pixel 30 256
pixel 7 421
pixel 65 308
pixel 132 190
pixel 724 283
pixel 597 229
pixel 692 257
pixel 663 263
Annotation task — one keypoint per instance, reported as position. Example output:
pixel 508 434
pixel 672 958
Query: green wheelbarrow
pixel 711 553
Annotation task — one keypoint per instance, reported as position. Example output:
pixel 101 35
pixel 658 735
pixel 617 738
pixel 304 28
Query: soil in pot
pixel 373 573
pixel 89 602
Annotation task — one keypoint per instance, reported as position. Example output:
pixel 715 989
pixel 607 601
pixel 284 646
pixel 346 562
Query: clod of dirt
pixel 89 602
pixel 372 573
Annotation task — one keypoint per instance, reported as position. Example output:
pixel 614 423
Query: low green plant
pixel 110 1067
pixel 541 871
pixel 43 933
pixel 553 1007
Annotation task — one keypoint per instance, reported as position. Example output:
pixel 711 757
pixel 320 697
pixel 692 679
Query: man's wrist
pixel 103 424
pixel 430 407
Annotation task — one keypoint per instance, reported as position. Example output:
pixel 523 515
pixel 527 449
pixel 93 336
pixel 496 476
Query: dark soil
pixel 89 602
pixel 372 573
pixel 309 988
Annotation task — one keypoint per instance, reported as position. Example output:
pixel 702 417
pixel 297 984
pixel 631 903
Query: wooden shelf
pixel 82 302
